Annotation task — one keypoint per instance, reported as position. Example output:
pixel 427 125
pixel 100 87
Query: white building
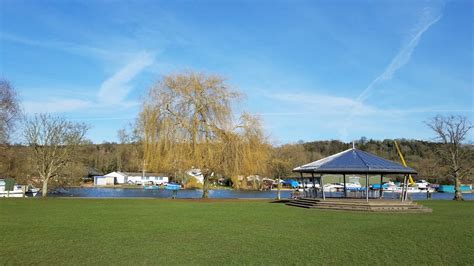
pixel 130 178
pixel 101 180
pixel 196 173
pixel 134 178
pixel 154 179
pixel 140 178
pixel 120 178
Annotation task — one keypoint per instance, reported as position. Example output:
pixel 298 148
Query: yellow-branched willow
pixel 187 122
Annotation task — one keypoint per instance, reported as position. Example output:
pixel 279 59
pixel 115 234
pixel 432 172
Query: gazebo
pixel 354 161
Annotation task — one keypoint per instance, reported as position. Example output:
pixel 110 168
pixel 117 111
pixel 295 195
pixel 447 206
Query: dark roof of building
pixel 354 161
pixel 93 172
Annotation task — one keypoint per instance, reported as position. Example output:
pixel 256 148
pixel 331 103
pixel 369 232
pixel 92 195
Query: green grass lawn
pixel 149 231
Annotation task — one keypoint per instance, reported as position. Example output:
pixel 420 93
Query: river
pixel 218 194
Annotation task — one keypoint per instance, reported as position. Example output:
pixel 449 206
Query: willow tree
pixel 252 149
pixel 187 122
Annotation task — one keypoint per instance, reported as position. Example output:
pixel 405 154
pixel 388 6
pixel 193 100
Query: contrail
pixel 401 59
pixel 398 61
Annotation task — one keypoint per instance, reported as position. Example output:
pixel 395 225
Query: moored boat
pixel 415 190
pixel 334 187
pixel 173 186
pixel 451 189
pixel 16 191
pixel 151 187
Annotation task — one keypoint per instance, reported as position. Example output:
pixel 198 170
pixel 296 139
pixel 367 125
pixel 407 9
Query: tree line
pixel 188 121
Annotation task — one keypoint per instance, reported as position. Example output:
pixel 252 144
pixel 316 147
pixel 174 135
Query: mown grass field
pixel 149 231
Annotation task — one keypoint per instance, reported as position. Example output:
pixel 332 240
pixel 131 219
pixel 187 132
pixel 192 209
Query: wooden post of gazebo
pixel 381 183
pixel 367 187
pixel 322 187
pixel 304 186
pixel 404 188
pixel 298 189
pixel 315 195
pixel 345 188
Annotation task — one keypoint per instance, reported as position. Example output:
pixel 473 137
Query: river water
pixel 218 194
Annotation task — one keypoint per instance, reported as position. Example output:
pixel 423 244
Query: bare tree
pixel 284 159
pixel 129 150
pixel 280 168
pixel 451 131
pixel 9 110
pixel 53 141
pixel 187 122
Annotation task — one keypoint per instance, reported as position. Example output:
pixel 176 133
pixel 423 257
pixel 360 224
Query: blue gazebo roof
pixel 354 161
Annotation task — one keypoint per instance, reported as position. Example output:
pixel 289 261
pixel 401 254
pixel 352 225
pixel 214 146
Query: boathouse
pixel 101 180
pixel 119 177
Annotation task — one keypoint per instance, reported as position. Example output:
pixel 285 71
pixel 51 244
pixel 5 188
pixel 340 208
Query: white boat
pixel 32 191
pixel 390 186
pixel 353 185
pixel 308 185
pixel 415 190
pixel 334 187
pixel 422 184
pixel 18 191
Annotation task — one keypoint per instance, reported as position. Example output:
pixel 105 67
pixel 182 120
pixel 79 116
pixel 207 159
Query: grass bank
pixel 150 231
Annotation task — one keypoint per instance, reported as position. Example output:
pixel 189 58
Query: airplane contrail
pixel 401 59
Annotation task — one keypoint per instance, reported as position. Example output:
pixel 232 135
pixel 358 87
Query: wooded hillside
pixel 108 157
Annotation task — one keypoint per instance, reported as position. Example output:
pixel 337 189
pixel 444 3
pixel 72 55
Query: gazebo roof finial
pixel 353 145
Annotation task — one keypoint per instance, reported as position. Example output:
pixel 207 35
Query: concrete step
pixel 356 202
pixel 340 209
pixel 298 205
pixel 359 205
pixel 372 210
pixel 308 200
pixel 371 202
pixel 369 205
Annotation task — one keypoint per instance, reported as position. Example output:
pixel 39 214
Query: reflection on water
pixel 218 194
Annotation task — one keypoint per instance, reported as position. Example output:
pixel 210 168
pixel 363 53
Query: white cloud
pixel 306 103
pixel 69 47
pixel 57 105
pixel 116 88
pixel 318 103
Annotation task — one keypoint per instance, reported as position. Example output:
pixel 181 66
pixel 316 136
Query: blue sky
pixel 312 70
